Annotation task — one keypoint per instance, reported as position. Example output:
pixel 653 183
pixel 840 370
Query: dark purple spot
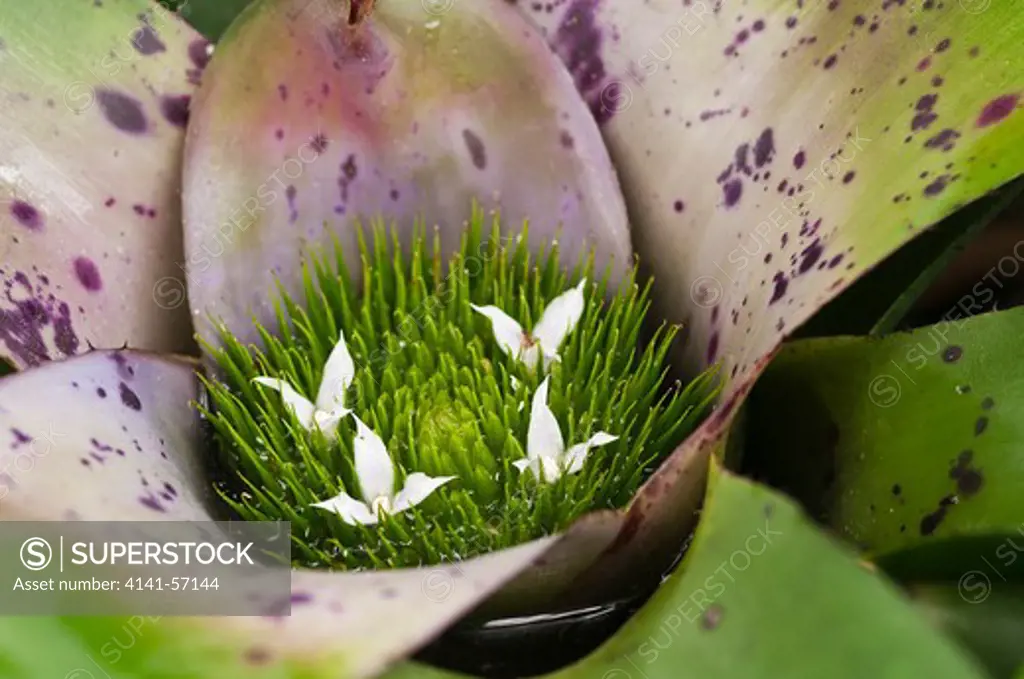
pixel 101 392
pixel 197 52
pixel 758 26
pixel 87 273
pixel 578 41
pixel 943 45
pixel 937 186
pixel 945 140
pixel 282 91
pixel 109 202
pixel 937 81
pixel 781 284
pixel 293 211
pixel 980 425
pixel 26 312
pixel 318 143
pixel 790 22
pixel 27 215
pixel 129 398
pixel 952 353
pixel 931 521
pixel 566 140
pixel 810 256
pixel 848 177
pixel 799 159
pixel 146 41
pixel 764 148
pixel 987 403
pixel 152 502
pixel 123 112
pixel 678 206
pixel 301 598
pixel 968 479
pixel 174 108
pixel 731 192
pixel 997 110
pixel 476 149
pixel 830 61
pixel 713 347
pixel 896 489
pixel 924 64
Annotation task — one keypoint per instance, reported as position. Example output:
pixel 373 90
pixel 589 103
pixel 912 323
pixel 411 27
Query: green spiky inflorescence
pixel 433 383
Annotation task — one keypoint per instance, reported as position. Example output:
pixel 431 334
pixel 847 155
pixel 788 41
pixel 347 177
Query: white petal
pixel 338 373
pixel 299 404
pixel 507 330
pixel 551 468
pixel 373 464
pixel 577 455
pixel 543 437
pixel 350 510
pixel 530 354
pixel 523 463
pixel 328 421
pixel 559 318
pixel 418 488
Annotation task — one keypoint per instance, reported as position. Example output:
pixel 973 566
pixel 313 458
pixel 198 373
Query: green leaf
pixel 983 613
pixel 96 96
pixel 763 593
pixel 209 17
pixel 880 302
pixel 708 108
pixel 905 442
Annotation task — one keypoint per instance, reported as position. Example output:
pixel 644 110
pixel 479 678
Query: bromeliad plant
pixel 454 447
pixel 148 188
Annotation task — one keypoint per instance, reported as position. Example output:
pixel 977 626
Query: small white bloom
pixel 557 321
pixel 330 399
pixel 376 474
pixel 546 455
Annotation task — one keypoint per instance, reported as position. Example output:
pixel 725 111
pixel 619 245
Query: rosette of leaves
pixel 813 142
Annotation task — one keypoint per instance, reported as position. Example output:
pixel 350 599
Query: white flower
pixel 546 455
pixel 557 321
pixel 330 399
pixel 376 474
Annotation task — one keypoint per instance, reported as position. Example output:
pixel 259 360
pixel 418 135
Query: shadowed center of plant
pixel 442 409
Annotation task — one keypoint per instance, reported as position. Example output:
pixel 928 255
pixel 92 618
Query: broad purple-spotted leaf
pixel 112 435
pixel 95 101
pixel 305 122
pixel 771 152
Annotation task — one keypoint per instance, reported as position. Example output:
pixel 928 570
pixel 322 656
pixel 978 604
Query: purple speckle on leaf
pixel 477 152
pixel 175 108
pixel 799 159
pixel 27 215
pixel 146 41
pixel 87 273
pixel 129 397
pixel 781 284
pixel 123 112
pixel 998 109
pixel 732 190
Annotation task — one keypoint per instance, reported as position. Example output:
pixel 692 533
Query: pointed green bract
pixel 96 98
pixel 744 599
pixel 305 122
pixel 446 398
pixel 209 17
pixel 909 446
pixel 812 141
